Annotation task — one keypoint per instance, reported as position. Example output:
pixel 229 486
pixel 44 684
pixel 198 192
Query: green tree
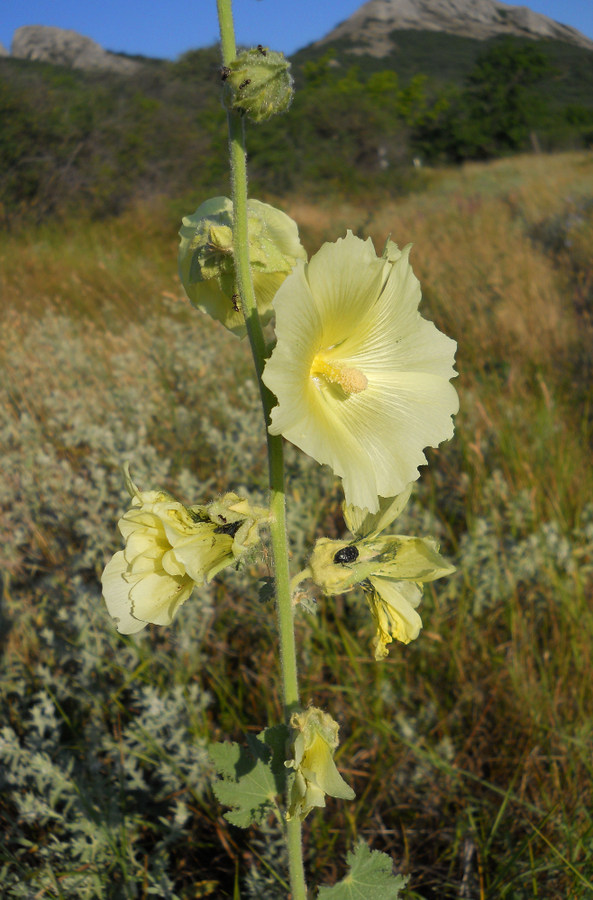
pixel 25 146
pixel 501 107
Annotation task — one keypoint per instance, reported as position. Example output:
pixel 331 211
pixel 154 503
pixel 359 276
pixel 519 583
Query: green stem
pixel 284 605
pixel 299 578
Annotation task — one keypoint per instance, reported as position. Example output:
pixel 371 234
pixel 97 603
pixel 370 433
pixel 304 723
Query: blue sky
pixel 166 28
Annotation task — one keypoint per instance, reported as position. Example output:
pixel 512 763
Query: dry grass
pixel 470 749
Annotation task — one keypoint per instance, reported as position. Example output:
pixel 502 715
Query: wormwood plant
pixel 351 374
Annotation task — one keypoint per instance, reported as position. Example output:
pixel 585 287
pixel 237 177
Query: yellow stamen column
pixel 352 381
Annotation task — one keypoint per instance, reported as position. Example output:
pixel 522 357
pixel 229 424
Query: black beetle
pixel 346 554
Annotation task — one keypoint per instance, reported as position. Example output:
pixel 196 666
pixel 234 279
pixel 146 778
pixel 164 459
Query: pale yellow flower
pixel 362 380
pixel 169 548
pixel 206 264
pixel 390 568
pixel 314 742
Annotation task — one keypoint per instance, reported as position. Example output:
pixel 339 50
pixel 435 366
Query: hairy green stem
pixel 299 578
pixel 275 453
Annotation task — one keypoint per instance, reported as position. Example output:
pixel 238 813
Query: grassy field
pixel 469 749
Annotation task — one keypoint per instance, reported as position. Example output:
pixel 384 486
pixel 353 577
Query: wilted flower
pixel 362 380
pixel 168 549
pixel 390 569
pixel 315 739
pixel 206 264
pixel 393 608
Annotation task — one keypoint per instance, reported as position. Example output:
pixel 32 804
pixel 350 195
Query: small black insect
pixel 262 50
pixel 346 554
pixel 235 302
pixel 244 83
pixel 224 73
pixel 231 528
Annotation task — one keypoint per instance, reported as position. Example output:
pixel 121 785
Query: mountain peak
pixel 64 47
pixel 370 26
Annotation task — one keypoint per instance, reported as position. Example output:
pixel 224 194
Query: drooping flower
pixel 390 568
pixel 393 608
pixel 169 548
pixel 314 742
pixel 206 264
pixel 362 380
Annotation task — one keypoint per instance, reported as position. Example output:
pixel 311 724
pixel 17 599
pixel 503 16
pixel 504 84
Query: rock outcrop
pixel 66 48
pixel 369 26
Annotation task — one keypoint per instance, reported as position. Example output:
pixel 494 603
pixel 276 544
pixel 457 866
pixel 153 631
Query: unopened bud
pixel 258 83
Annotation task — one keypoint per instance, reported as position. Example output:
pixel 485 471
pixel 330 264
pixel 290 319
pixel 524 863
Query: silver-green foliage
pixel 509 552
pixel 102 739
pixel 97 764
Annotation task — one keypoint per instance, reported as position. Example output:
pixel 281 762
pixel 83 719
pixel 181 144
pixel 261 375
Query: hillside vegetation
pixel 470 749
pixel 97 143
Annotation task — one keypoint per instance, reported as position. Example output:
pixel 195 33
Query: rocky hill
pixel 95 141
pixel 63 47
pixel 369 27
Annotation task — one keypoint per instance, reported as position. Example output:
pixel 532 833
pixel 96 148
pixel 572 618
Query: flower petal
pixel 116 593
pixel 392 604
pixel 157 597
pixel 204 555
pixel 315 739
pixel 407 558
pixel 346 279
pixel 318 766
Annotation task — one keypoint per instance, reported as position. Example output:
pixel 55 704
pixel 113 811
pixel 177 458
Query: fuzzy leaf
pixel 370 878
pixel 266 589
pixel 252 776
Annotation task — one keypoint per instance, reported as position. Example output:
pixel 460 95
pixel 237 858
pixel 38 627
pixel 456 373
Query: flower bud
pixel 258 83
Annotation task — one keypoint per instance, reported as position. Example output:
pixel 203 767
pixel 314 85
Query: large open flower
pixel 362 380
pixel 169 548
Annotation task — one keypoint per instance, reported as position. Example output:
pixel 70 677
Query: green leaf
pixel 370 878
pixel 251 777
pixel 266 589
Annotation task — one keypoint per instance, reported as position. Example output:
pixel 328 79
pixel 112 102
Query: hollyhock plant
pixel 356 378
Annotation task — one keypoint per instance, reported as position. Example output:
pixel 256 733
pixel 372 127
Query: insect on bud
pixel 258 84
